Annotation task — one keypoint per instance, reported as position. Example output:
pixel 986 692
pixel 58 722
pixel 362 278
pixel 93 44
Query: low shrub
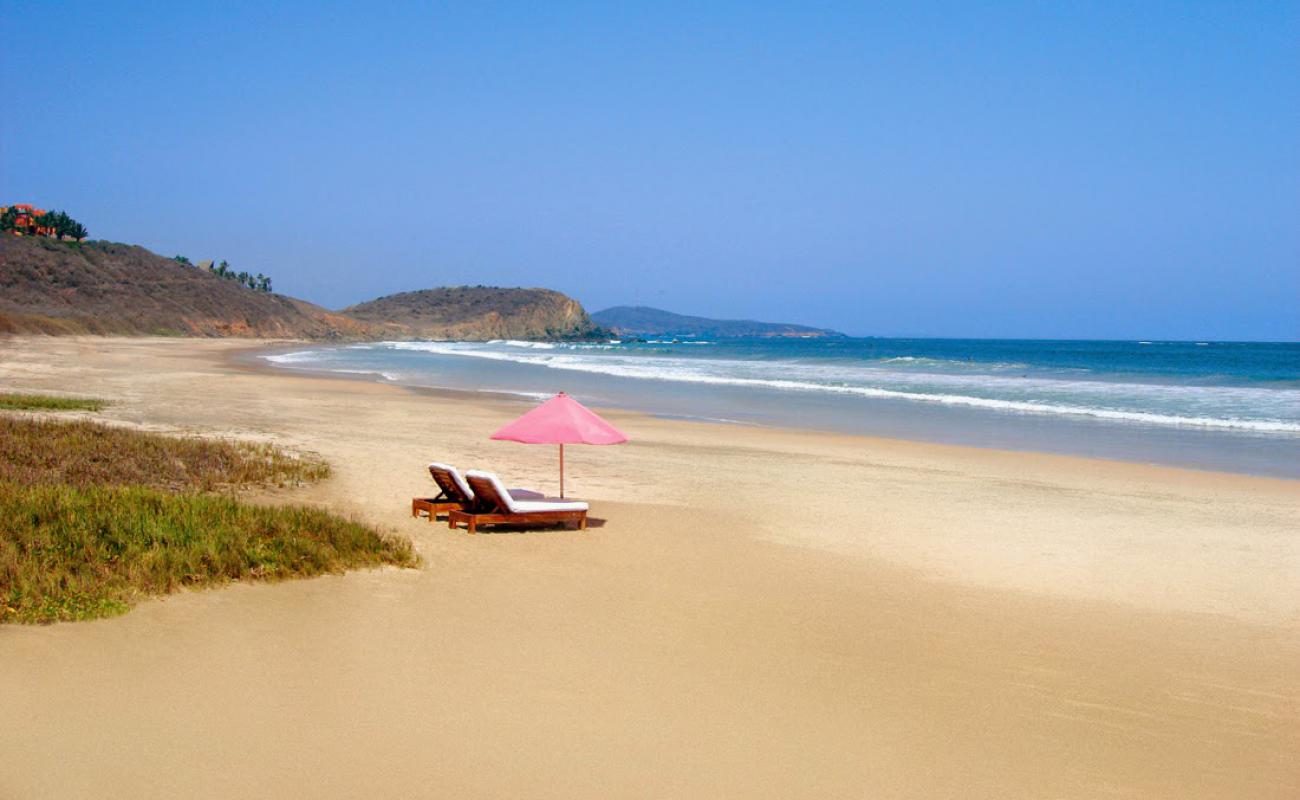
pixel 94 518
pixel 41 402
pixel 86 453
pixel 69 552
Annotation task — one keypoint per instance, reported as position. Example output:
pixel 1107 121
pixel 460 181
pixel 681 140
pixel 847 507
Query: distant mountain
pixel 480 312
pixel 53 287
pixel 645 321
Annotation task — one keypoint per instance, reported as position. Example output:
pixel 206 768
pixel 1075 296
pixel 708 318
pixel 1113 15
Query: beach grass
pixel 97 518
pixel 86 453
pixel 12 401
pixel 71 552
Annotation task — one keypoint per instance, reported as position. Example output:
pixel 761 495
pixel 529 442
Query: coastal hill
pixel 53 287
pixel 49 286
pixel 646 321
pixel 480 312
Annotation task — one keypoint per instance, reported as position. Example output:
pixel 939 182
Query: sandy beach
pixel 753 613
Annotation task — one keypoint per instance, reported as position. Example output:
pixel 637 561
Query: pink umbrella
pixel 561 420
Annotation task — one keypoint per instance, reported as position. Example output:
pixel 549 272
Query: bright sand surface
pixel 762 613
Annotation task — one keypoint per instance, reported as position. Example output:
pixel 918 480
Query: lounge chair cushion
pixel 533 506
pixel 526 494
pixel 518 494
pixel 455 476
pixel 515 506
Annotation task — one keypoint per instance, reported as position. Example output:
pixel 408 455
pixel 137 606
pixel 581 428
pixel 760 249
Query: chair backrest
pixel 451 483
pixel 490 495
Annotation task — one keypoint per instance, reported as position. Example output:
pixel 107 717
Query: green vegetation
pixel 64 225
pixel 258 282
pixel 42 402
pixel 78 553
pixel 85 453
pixel 98 518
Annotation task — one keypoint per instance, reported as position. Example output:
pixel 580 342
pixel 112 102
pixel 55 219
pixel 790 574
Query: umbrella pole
pixel 561 470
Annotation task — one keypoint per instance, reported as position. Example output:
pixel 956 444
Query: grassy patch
pixel 41 402
pixel 84 453
pixel 94 518
pixel 72 553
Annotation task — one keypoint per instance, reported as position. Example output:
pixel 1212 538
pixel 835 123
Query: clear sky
pixel 1073 170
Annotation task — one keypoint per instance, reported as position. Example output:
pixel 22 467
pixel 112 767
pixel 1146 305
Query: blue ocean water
pixel 1218 405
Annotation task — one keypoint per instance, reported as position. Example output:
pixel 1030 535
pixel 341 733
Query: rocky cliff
pixel 479 313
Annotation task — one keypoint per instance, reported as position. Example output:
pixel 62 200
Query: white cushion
pixel 463 485
pixel 534 506
pixel 455 476
pixel 496 483
pixel 525 506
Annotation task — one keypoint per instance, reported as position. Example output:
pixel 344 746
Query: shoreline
pixel 1190 446
pixel 250 360
pixel 942 620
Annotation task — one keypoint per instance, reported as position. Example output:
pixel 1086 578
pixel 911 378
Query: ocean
pixel 1231 406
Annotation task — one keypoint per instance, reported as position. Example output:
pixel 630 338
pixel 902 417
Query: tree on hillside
pixel 182 260
pixel 63 224
pixel 258 282
pixel 9 219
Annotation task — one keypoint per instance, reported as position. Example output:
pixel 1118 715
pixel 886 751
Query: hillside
pixel 53 287
pixel 480 312
pixel 48 286
pixel 646 321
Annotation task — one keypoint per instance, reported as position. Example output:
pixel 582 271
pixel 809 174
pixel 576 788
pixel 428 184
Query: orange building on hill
pixel 28 220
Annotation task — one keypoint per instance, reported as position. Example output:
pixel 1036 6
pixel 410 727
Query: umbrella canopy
pixel 561 420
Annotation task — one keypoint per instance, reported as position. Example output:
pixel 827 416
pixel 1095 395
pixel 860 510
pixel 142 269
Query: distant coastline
pixel 644 321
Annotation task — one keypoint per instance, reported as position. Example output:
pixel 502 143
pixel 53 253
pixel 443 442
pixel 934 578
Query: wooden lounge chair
pixel 493 505
pixel 454 493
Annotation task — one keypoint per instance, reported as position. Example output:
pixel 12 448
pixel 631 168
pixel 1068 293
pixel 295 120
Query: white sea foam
pixel 676 341
pixel 317 358
pixel 922 362
pixel 1152 404
pixel 300 357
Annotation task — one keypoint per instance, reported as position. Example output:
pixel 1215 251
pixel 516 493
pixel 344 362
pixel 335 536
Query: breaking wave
pixel 1219 407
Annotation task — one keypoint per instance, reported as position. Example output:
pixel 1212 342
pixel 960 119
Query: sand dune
pixel 953 623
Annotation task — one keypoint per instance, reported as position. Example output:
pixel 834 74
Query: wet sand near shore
pixel 759 613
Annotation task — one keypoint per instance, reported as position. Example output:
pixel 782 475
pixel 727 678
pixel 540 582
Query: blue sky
pixel 1107 170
